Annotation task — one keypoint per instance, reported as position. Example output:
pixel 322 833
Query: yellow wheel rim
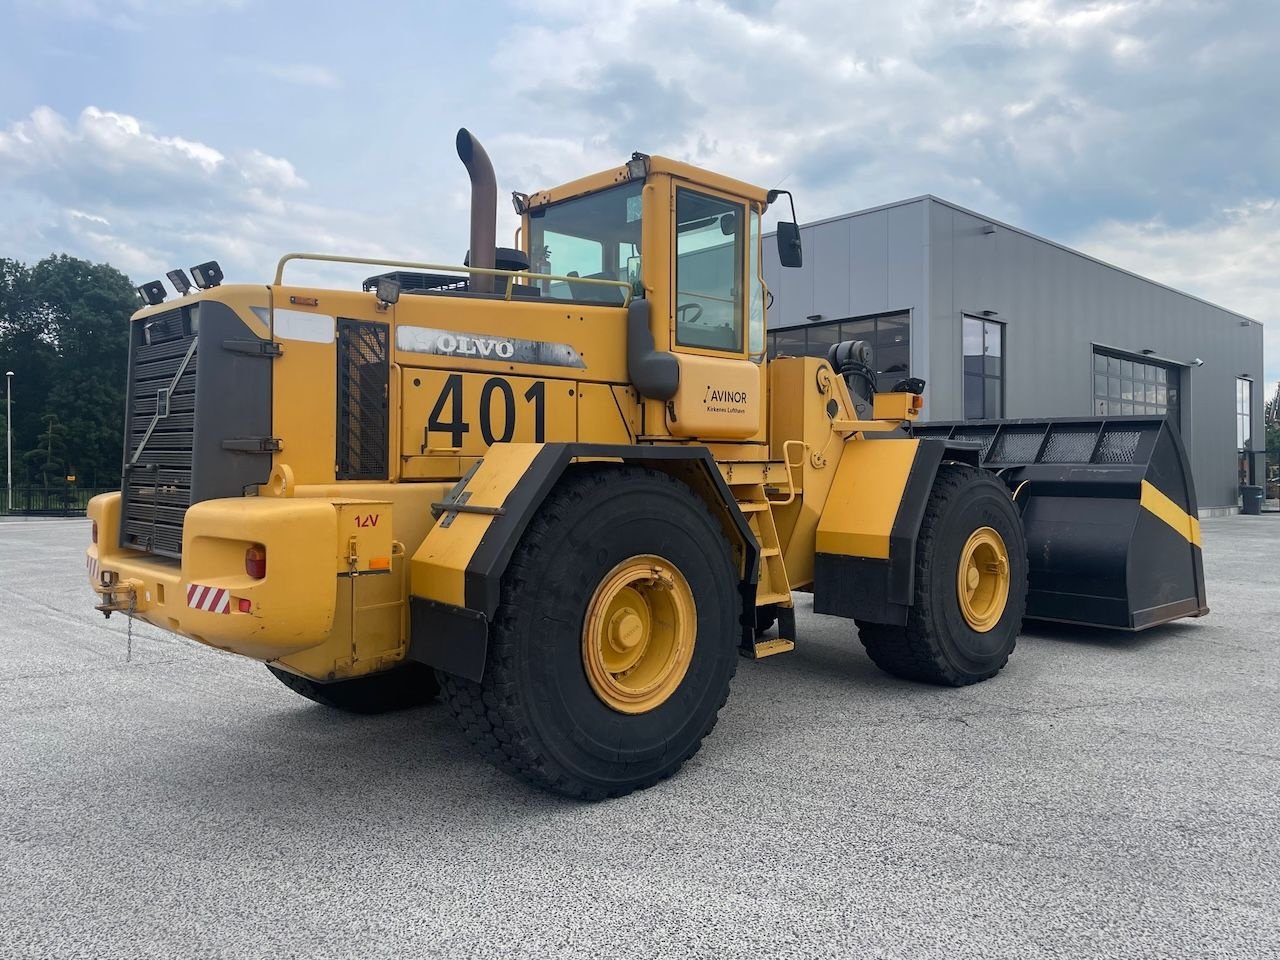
pixel 638 638
pixel 982 582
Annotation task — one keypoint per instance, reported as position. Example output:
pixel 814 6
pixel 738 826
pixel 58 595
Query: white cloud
pixel 113 157
pixel 1012 107
pixel 258 169
pixel 109 187
pixel 303 75
pixel 88 217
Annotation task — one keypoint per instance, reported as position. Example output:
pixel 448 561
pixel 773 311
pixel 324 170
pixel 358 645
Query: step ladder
pixel 773 586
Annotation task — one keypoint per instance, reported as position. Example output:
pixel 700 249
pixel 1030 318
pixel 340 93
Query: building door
pixel 1128 385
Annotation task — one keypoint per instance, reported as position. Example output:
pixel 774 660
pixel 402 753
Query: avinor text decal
pixel 720 400
pixel 450 343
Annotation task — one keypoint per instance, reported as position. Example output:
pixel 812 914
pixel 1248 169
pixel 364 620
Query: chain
pixel 128 642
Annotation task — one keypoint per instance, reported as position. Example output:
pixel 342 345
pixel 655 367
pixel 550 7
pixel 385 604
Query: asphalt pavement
pixel 1107 795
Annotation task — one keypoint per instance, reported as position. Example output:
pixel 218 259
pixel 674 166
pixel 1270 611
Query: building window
pixel 1129 386
pixel 983 369
pixel 1244 413
pixel 889 336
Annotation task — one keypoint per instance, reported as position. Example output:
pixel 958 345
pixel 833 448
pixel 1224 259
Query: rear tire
pixel 939 643
pixel 548 712
pixel 408 685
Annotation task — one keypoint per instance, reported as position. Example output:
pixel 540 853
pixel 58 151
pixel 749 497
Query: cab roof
pixel 657 164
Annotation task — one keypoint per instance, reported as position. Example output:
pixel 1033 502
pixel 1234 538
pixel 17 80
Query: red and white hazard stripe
pixel 208 599
pixel 91 564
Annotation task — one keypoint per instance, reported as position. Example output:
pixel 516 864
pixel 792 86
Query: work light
pixel 207 275
pixel 387 289
pixel 638 166
pixel 152 293
pixel 179 280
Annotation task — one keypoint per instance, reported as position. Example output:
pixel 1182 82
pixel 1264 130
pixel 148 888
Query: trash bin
pixel 1251 498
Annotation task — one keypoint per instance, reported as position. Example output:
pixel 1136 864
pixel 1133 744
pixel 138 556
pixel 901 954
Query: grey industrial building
pixel 1002 323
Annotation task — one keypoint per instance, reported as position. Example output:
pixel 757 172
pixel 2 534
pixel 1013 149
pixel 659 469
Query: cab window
pixel 755 299
pixel 709 270
pixel 594 237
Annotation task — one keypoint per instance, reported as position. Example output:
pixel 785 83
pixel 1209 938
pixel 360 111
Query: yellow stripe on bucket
pixel 1172 514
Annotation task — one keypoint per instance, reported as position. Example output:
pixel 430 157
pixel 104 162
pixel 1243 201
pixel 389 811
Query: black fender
pixel 881 588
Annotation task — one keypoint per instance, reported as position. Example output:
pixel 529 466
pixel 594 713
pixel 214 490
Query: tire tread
pixel 912 651
pixel 409 685
pixel 491 712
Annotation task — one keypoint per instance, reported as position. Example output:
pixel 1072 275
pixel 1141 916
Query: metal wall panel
pixel 940 262
pixel 869 259
pixel 828 255
pixel 1056 304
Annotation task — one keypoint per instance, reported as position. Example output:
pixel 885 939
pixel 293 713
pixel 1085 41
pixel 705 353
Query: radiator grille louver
pixel 156 486
pixel 362 400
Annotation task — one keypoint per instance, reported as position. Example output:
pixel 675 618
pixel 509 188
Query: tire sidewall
pixel 594 742
pixel 981 504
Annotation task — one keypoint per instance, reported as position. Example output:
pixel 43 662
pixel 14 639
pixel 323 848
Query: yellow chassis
pixel 316 547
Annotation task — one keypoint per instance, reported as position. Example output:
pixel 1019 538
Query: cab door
pixel 721 393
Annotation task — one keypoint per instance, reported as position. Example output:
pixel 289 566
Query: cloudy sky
pixel 155 133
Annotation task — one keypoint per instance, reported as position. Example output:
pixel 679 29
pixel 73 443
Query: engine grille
pixel 362 400
pixel 160 436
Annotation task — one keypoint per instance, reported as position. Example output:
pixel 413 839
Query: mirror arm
pixel 793 234
pixel 773 195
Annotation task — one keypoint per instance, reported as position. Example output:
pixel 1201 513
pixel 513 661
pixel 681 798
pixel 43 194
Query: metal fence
pixel 49 501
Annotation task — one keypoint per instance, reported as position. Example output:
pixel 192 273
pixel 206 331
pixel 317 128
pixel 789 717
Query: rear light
pixel 255 561
pixel 244 605
pixel 95 531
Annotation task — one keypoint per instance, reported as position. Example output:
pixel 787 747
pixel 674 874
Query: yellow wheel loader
pixel 563 486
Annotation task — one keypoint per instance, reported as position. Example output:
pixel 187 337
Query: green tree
pixel 48 460
pixel 1271 421
pixel 64 333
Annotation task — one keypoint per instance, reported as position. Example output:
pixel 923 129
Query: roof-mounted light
pixel 638 166
pixel 207 275
pixel 179 280
pixel 152 293
pixel 387 290
pixel 520 201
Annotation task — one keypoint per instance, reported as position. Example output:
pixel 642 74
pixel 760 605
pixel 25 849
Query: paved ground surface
pixel 1105 796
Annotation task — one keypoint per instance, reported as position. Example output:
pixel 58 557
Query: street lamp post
pixel 8 431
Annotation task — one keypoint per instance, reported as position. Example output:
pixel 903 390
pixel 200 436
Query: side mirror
pixel 789 252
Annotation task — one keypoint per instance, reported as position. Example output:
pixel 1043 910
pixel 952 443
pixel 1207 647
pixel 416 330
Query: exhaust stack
pixel 484 209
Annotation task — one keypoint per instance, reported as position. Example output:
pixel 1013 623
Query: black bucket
pixel 1109 511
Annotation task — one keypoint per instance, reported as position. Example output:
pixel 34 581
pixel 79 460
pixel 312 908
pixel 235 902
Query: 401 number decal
pixel 496 417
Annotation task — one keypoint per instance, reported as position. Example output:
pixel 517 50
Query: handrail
pixel 414 265
pixel 786 462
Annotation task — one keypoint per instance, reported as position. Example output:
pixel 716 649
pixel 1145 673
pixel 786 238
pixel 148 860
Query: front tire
pixel 615 641
pixel 402 687
pixel 970 586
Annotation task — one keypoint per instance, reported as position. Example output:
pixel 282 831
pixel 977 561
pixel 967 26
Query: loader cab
pixel 688 241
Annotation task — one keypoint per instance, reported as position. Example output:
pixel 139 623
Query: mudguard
pixel 864 566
